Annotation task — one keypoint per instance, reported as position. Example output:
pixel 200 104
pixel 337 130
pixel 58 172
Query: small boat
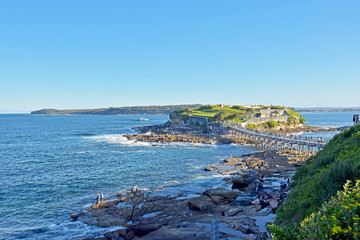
pixel 143 119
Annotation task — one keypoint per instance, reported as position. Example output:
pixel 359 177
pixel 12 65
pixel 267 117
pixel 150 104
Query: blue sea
pixel 52 166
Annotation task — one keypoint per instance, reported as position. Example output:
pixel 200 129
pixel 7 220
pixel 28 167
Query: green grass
pixel 211 111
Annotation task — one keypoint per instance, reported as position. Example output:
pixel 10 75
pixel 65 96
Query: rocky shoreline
pixel 239 206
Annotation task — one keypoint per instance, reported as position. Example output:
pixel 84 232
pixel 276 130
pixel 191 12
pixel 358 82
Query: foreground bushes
pixel 322 177
pixel 337 219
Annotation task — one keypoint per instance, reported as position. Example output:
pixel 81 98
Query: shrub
pixel 337 219
pixel 322 177
pixel 221 116
pixel 271 124
pixel 206 107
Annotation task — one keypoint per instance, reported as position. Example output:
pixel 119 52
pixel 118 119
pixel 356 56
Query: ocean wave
pixel 117 139
pixel 120 139
pixel 64 230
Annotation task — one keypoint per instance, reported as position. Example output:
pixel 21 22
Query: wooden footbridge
pixel 278 141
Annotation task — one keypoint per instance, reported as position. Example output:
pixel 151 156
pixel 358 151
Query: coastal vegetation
pixel 337 219
pixel 316 200
pixel 137 110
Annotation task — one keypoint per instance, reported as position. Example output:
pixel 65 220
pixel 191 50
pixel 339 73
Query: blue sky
pixel 90 54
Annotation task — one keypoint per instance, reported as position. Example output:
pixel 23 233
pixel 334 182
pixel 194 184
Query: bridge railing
pixel 281 137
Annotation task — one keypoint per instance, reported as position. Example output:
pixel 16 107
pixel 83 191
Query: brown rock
pixel 274 204
pixel 201 203
pixel 234 211
pixel 226 194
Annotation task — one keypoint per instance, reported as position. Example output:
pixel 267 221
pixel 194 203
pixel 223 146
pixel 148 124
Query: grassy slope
pixel 211 111
pixel 323 176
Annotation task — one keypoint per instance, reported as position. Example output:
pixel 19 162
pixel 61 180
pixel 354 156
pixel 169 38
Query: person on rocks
pixel 134 189
pixel 261 176
pixel 98 198
pixel 102 197
pixel 257 186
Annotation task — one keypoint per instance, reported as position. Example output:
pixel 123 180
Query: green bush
pixel 337 219
pixel 271 124
pixel 252 126
pixel 206 107
pixel 221 116
pixel 322 177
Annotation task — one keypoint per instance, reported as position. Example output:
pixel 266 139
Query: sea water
pixel 52 166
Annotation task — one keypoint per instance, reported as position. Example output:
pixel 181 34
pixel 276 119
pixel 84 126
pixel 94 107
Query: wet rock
pixel 201 203
pixel 211 168
pixel 75 216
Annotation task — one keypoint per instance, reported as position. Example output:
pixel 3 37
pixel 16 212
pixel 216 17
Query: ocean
pixel 52 166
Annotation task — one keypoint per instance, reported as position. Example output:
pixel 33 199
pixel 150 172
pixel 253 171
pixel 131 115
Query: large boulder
pixel 221 196
pixel 202 203
pixel 274 204
pixel 242 182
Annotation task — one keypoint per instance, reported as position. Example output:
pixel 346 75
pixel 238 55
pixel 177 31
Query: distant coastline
pixel 328 109
pixel 137 110
pixel 162 110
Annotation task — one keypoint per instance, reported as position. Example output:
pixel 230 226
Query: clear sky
pixel 89 54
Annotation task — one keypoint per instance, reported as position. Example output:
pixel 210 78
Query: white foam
pixel 74 230
pixel 117 139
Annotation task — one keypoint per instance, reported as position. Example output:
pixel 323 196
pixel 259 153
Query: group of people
pixel 134 190
pixel 100 198
pixel 356 119
pixel 284 184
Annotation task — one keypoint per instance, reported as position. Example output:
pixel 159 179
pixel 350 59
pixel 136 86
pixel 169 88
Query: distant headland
pixel 136 110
